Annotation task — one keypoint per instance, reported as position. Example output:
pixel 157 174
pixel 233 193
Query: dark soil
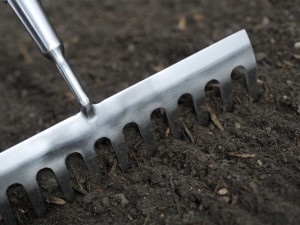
pixel 247 174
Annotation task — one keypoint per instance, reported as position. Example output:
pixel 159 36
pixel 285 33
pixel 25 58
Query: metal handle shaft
pixel 33 17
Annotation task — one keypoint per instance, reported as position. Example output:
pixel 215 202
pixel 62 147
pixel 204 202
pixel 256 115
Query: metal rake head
pixel 50 148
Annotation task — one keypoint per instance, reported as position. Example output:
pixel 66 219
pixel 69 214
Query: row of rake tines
pixel 158 115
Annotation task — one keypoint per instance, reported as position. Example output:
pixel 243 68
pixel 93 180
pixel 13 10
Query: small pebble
pixel 297 45
pixel 131 48
pixel 88 198
pixel 222 191
pixel 211 127
pixel 133 212
pixel 105 201
pixel 253 187
pixel 266 21
pixel 237 125
pixel 129 217
pixel 272 41
pixel 122 198
pixel 284 159
pixel 268 129
pixel 259 163
pixel 82 180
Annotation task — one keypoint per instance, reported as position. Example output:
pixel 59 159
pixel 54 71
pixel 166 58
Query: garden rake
pixel 79 133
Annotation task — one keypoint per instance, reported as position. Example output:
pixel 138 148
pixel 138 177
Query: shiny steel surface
pixel 50 148
pixel 32 15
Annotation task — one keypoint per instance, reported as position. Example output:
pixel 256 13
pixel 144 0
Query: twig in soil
pixel 234 200
pixel 133 156
pixel 186 209
pixel 79 187
pixel 158 68
pixel 146 220
pixel 214 118
pixel 296 56
pixel 26 55
pixel 259 81
pixel 19 220
pixel 177 204
pixel 188 133
pixel 113 168
pixel 55 201
pixel 88 183
pixel 241 155
pixel 80 190
pixel 172 183
pixel 137 144
pixel 69 95
pixel 151 160
pixel 97 189
pixel 168 131
pixel 181 25
pixel 22 211
pixel 238 100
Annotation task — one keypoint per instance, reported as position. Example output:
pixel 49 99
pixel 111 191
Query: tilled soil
pixel 246 174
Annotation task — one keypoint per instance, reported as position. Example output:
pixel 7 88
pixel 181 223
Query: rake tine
pixel 5 209
pixel 119 146
pixel 174 122
pixel 147 135
pixel 35 197
pixel 65 182
pixel 91 162
pixel 199 103
pixel 251 83
pixel 226 94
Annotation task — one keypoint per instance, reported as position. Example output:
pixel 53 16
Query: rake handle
pixel 35 20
